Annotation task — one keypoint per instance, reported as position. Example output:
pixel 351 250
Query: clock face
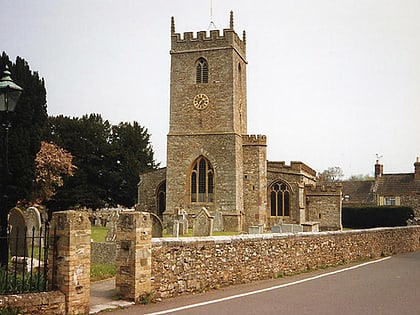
pixel 201 101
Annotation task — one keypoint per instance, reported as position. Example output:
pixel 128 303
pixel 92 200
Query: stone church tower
pixel 208 123
pixel 212 162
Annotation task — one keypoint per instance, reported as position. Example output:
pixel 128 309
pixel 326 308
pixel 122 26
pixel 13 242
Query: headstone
pixel 175 229
pixel 18 246
pixel 255 229
pixel 182 218
pixel 218 221
pixel 157 226
pixel 33 224
pixel 112 224
pixel 291 228
pixel 276 229
pixel 203 223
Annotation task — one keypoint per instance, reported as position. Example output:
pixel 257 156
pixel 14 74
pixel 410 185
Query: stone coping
pixel 261 237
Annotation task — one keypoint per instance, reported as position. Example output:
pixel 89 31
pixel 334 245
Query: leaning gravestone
pixel 157 225
pixel 18 246
pixel 203 223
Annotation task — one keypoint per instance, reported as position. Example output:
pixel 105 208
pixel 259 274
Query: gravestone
pixel 218 221
pixel 18 246
pixel 175 228
pixel 33 224
pixel 157 226
pixel 112 224
pixel 276 229
pixel 182 218
pixel 255 229
pixel 203 223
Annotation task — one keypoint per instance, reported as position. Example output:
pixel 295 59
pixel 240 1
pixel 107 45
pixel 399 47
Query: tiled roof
pixel 397 184
pixel 362 192
pixel 359 192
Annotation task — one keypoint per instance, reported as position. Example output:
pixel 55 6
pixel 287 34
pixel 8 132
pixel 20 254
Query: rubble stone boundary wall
pixel 103 253
pixel 52 302
pixel 188 265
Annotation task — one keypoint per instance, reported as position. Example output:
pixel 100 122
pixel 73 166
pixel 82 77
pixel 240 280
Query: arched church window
pixel 202 181
pixel 279 200
pixel 161 198
pixel 202 71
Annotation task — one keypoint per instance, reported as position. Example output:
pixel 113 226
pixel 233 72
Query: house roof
pixel 358 192
pixel 397 184
pixel 362 192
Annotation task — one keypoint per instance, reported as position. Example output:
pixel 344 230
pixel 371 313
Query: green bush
pixel 9 310
pixel 21 284
pixel 375 216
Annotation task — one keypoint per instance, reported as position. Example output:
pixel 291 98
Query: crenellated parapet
pixel 204 40
pixel 326 189
pixel 254 140
pixel 295 167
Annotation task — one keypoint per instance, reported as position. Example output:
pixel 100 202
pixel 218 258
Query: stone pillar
pixel 134 255
pixel 71 259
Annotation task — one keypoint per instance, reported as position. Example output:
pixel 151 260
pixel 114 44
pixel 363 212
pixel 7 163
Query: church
pixel 212 161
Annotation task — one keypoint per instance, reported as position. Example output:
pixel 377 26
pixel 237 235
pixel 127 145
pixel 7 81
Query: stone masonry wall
pixel 147 194
pixel 185 266
pixel 43 303
pixel 103 253
pixel 324 205
pixel 412 201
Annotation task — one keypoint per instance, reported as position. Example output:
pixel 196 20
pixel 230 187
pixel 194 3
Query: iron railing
pixel 27 266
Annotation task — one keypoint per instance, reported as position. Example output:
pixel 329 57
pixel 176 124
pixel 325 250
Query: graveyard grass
pixel 99 233
pixel 104 271
pixel 100 271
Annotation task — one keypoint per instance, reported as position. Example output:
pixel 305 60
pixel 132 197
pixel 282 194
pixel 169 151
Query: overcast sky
pixel 331 83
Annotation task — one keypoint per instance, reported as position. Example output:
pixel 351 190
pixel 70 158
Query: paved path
pixel 103 296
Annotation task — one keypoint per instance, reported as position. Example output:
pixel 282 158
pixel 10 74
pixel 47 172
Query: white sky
pixel 331 83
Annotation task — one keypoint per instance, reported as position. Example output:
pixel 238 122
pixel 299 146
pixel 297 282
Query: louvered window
pixel 202 71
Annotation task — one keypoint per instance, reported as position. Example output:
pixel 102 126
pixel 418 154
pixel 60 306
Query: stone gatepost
pixel 71 259
pixel 134 255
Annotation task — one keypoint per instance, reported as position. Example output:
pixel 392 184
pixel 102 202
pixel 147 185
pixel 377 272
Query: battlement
pixel 295 167
pixel 254 140
pixel 331 188
pixel 204 40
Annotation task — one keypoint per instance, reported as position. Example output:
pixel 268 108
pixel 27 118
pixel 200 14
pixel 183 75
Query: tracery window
pixel 202 181
pixel 279 200
pixel 202 71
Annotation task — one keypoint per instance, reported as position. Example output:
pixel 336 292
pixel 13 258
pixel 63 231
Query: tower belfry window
pixel 202 71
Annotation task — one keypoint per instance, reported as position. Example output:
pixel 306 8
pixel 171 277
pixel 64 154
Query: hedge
pixel 375 216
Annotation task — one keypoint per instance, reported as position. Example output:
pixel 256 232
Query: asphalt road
pixel 387 286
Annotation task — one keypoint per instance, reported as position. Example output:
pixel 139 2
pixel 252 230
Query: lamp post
pixel 9 96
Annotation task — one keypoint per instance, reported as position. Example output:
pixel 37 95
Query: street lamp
pixel 9 96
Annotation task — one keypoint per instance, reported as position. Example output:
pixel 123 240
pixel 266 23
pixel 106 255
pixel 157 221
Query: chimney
pixel 417 169
pixel 379 169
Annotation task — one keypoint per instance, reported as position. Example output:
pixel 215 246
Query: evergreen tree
pixel 108 160
pixel 27 124
pixel 24 141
